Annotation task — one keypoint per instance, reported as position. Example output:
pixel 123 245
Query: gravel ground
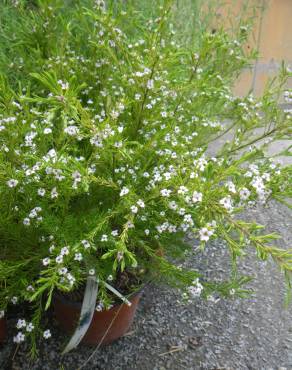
pixel 255 333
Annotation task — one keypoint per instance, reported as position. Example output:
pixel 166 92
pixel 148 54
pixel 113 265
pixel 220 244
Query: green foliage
pixel 106 117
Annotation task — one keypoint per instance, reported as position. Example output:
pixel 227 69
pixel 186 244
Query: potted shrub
pixel 105 166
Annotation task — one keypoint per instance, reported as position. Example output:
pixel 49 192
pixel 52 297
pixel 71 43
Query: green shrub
pixel 105 123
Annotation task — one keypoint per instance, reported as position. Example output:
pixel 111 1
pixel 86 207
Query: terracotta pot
pixel 67 314
pixel 2 329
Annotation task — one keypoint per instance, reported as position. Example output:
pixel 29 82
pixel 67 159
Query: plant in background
pixel 104 164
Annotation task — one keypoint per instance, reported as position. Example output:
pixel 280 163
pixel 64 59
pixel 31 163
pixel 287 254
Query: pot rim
pixel 63 300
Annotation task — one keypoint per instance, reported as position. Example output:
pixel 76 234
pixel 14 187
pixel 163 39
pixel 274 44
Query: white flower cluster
pixel 196 289
pixel 28 327
pixel 193 291
pixel 206 232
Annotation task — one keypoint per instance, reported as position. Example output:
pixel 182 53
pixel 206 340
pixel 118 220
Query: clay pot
pixel 67 314
pixel 2 329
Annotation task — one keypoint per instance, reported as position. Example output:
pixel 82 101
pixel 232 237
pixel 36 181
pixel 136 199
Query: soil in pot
pixel 119 318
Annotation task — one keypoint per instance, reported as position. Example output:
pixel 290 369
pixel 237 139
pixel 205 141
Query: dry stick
pixel 172 350
pixel 15 352
pixel 102 339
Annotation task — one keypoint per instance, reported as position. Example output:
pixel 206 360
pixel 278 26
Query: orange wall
pixel 272 33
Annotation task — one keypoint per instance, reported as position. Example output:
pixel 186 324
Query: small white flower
pixel 231 187
pixel 54 193
pixel 150 84
pixel 91 272
pixel 78 257
pixel 29 327
pixel 114 114
pixel 71 130
pixel 63 270
pixel 205 234
pixel 41 192
pixel 226 203
pixel 182 190
pixel 46 261
pixel 181 211
pixel 124 191
pixel 266 176
pixel 99 307
pixel 171 228
pixel 110 278
pixel 165 192
pixel 232 291
pixel 188 219
pixel 20 337
pixel 212 224
pixel 14 300
pixel 196 289
pixel 212 299
pixel 248 174
pixel 134 209
pixel 244 194
pixel 197 197
pixel 47 131
pixel 21 323
pixel 130 225
pixel 71 278
pixel 104 238
pixel 64 85
pixel 141 203
pixel 65 251
pixel 115 233
pixel 172 205
pixel 167 175
pixel 59 259
pixel 32 214
pixel 47 334
pixel 12 183
pixel 85 244
pixel 52 248
pixel 26 221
